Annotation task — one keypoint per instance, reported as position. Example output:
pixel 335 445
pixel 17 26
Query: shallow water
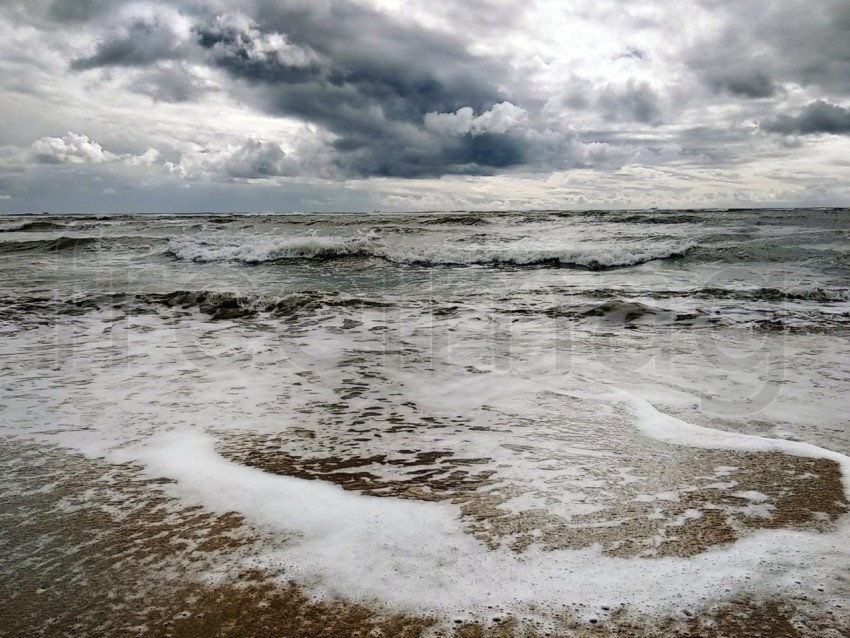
pixel 600 419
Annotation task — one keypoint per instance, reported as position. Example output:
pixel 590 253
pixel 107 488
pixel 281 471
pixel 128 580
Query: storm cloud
pixel 375 104
pixel 142 42
pixel 330 68
pixel 817 117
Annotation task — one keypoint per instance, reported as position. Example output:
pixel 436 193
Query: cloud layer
pixel 406 102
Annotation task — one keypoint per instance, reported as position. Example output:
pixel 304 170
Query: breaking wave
pixel 261 251
pixel 327 248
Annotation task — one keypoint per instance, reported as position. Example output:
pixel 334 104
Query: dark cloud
pixel 390 155
pixel 810 41
pixel 144 42
pixel 365 77
pixel 745 83
pixel 715 146
pixel 634 102
pixel 631 52
pixel 630 102
pixel 77 10
pixel 171 83
pixel 255 56
pixel 334 70
pixel 256 160
pixel 728 66
pixel 817 117
pixel 344 58
pixel 766 43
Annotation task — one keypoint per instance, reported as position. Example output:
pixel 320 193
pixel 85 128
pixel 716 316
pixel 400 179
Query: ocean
pixel 551 423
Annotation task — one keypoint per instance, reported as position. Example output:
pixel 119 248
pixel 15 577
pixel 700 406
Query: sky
pixel 361 105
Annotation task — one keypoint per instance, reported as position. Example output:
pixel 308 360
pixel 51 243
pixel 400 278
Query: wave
pixel 42 307
pixel 814 293
pixel 47 245
pixel 453 220
pixel 597 258
pixel 757 252
pixel 660 219
pixel 67 244
pixel 328 248
pixel 228 305
pixel 614 312
pixel 319 305
pixel 261 251
pixel 31 227
pixel 618 311
pixel 632 314
pixel 216 304
pixel 776 294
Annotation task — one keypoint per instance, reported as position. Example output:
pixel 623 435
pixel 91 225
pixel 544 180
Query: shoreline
pixel 131 573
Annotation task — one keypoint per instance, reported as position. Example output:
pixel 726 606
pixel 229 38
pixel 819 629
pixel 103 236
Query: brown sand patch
pixel 83 542
pixel 431 476
pixel 255 608
pixel 706 497
pixel 699 518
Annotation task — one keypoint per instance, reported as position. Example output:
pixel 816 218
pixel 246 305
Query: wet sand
pixel 91 549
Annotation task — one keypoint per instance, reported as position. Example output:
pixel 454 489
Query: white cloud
pixel 148 158
pixel 499 119
pixel 251 159
pixel 76 148
pixel 70 149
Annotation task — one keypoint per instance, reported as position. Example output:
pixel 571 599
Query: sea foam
pixel 416 557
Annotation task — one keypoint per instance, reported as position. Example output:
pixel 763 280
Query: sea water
pixel 556 417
